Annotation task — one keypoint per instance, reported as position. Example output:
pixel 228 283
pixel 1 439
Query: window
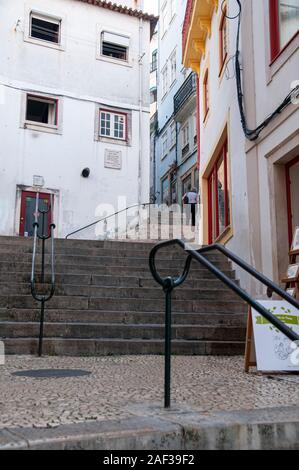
pixel 153 95
pixel 113 125
pixel 206 95
pixel 218 197
pixel 185 140
pixel 172 67
pixel 172 7
pixel 41 110
pixel 164 19
pixel 165 190
pixel 154 64
pixel 114 46
pixel 164 145
pixel 223 39
pixel 172 135
pixel 164 81
pixel 195 128
pixel 45 28
pixel 284 23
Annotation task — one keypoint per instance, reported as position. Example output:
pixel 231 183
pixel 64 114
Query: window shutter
pixel 115 39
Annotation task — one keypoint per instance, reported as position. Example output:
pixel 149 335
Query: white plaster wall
pixel 272 83
pixel 224 109
pixel 81 82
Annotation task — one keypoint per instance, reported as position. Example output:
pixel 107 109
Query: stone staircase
pixel 106 302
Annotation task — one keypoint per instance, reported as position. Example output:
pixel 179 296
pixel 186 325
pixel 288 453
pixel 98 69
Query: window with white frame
pixel 115 46
pixel 185 140
pixel 40 110
pixel 172 135
pixel 45 28
pixel 164 144
pixel 172 7
pixel 113 125
pixel 173 67
pixel 165 80
pixel 164 19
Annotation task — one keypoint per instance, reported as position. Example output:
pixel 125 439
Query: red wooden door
pixel 28 207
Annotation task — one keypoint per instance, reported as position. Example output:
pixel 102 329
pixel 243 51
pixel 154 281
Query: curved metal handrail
pixel 169 283
pixel 42 298
pixel 108 217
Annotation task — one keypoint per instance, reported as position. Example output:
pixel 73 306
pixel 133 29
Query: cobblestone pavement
pixel 116 383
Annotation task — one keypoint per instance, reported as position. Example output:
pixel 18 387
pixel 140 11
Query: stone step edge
pixel 124 340
pixel 181 428
pixel 114 325
pixel 92 299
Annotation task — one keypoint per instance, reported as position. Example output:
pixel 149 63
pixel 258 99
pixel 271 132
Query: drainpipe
pixel 141 54
pixel 198 121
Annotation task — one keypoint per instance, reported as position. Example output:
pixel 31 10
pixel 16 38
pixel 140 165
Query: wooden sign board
pixel 268 348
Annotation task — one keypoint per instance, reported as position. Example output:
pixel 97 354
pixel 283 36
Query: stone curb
pixel 157 429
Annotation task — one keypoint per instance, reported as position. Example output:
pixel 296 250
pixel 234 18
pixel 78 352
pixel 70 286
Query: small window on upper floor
pixel 173 67
pixel 164 144
pixel 115 46
pixel 45 28
pixel 223 39
pixel 154 64
pixel 164 81
pixel 284 24
pixel 206 95
pixel 41 110
pixel 113 125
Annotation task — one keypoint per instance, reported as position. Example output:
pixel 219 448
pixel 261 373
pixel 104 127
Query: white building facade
pixel 75 110
pixel 249 179
pixel 176 148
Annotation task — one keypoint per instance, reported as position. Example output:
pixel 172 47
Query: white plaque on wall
pixel 113 159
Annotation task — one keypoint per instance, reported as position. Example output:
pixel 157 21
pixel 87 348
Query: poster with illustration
pixel 274 351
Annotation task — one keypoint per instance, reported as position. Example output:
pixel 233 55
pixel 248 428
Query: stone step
pixel 127 317
pixel 196 270
pixel 123 278
pixel 114 331
pixel 168 253
pixel 155 292
pixel 131 304
pixel 102 347
pixel 14 259
pixel 81 243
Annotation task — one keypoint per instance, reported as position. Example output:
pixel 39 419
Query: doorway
pixel 292 181
pixel 27 216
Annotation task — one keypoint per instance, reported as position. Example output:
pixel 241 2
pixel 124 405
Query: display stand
pixel 293 281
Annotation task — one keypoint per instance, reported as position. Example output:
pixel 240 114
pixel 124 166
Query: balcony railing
pixel 187 89
pixel 187 20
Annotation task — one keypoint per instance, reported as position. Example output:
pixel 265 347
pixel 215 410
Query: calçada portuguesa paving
pixel 118 386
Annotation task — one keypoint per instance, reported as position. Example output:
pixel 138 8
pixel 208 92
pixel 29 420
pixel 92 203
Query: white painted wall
pixel 82 83
pixel 278 143
pixel 224 110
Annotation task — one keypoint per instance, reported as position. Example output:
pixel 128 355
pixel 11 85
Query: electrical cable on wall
pixel 253 134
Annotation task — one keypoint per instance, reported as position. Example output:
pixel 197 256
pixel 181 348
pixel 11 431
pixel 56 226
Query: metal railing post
pixel 168 324
pixel 44 297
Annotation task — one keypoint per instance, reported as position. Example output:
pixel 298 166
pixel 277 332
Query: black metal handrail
pixel 42 298
pixel 169 284
pixel 104 219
